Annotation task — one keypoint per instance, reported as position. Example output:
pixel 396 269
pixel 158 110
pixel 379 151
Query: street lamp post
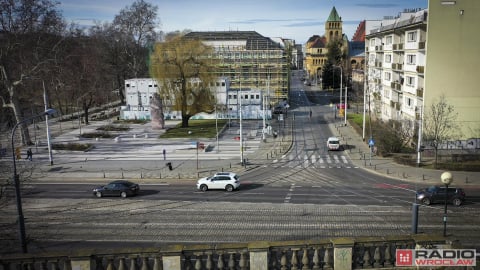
pixel 341 85
pixel 16 181
pixel 446 179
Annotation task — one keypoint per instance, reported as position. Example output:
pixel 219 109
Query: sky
pixel 290 19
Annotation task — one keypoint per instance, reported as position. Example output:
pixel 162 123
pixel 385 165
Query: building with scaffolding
pixel 250 61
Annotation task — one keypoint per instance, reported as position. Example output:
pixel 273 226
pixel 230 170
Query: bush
pixel 72 146
pixel 114 128
pixel 105 135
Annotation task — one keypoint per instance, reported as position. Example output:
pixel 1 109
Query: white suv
pixel 333 143
pixel 225 180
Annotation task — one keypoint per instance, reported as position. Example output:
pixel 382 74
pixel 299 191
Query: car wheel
pixel 426 201
pixel 229 188
pixel 457 202
pixel 98 194
pixel 203 188
pixel 123 194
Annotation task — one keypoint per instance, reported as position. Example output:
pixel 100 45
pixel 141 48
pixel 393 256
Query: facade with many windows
pixel 395 62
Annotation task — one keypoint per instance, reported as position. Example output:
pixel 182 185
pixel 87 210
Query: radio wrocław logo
pixel 436 257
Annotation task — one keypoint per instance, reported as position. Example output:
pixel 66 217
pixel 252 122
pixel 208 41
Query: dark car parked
pixel 120 188
pixel 436 194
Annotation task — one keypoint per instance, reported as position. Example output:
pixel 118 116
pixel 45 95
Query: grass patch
pixel 72 146
pixel 356 118
pixel 205 128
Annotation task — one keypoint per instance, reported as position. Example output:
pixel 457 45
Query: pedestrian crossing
pixel 318 161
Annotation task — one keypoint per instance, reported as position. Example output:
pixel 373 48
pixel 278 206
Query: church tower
pixel 333 26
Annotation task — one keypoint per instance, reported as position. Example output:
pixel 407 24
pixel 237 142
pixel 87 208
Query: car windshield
pixel 334 142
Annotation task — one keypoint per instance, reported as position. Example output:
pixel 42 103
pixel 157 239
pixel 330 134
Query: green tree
pixel 335 57
pixel 439 124
pixel 184 70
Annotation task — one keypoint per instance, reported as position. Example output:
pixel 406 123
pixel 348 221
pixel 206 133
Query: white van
pixel 333 143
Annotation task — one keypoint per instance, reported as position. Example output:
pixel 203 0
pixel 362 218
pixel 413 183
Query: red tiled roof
pixel 316 42
pixel 360 33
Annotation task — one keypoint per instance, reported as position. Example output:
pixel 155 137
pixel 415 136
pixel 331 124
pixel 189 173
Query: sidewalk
pixel 359 153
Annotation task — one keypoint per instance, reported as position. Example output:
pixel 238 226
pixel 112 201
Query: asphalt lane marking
pixel 289 194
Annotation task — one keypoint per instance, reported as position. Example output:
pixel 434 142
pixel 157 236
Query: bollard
pixel 160 175
pixel 414 218
pixel 141 175
pixel 423 177
pixel 104 174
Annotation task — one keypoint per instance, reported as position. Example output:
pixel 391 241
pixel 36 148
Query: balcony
pixel 396 86
pixel 421 45
pixel 420 69
pixel 420 92
pixel 397 66
pixel 336 253
pixel 398 47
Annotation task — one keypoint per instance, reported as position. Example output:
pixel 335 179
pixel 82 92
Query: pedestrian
pixel 29 154
pixel 164 154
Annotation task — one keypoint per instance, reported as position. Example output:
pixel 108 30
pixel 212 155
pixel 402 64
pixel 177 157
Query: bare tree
pixel 30 34
pixel 439 124
pixel 184 71
pixel 131 38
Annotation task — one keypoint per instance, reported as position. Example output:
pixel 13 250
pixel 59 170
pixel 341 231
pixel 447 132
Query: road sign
pixel 371 142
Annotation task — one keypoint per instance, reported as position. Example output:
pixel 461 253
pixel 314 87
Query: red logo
pixel 404 257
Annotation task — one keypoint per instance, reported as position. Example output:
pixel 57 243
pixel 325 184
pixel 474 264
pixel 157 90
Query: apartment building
pixel 250 61
pixel 395 56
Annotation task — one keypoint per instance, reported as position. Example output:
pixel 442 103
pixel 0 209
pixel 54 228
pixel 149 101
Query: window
pixel 410 81
pixel 388 76
pixel 257 96
pixel 411 59
pixel 372 42
pixel 388 40
pixel 412 36
pixel 409 102
pixel 388 58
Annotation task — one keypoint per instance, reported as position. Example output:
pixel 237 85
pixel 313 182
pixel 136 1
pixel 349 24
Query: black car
pixel 120 188
pixel 436 194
